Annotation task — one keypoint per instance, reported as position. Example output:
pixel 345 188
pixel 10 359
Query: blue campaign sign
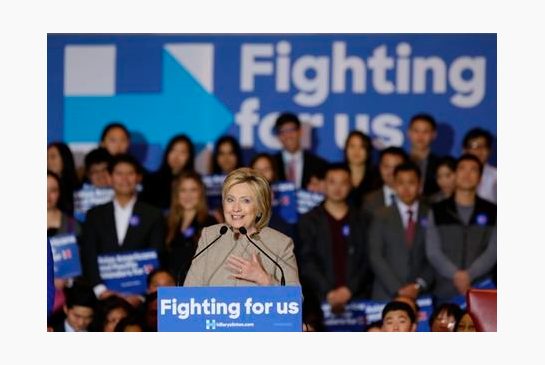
pixel 213 184
pixel 127 272
pixel 207 85
pixel 353 319
pixel 89 196
pixel 65 256
pixel 359 313
pixel 285 201
pixel 306 200
pixel 229 309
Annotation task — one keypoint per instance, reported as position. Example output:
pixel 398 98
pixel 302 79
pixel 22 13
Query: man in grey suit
pixel 397 241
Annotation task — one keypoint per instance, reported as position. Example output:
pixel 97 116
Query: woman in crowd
pixel 112 310
pixel 58 220
pixel 61 161
pixel 445 177
pixel 445 317
pixel 227 155
pixel 264 163
pixel 358 157
pixel 179 157
pixel 187 216
pixel 115 138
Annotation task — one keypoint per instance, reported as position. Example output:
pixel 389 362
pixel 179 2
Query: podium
pixel 229 309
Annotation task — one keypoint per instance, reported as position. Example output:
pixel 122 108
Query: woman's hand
pixel 249 270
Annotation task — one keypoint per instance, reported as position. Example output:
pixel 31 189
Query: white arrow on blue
pixel 185 105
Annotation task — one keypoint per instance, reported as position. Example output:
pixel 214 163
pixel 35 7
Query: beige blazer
pixel 209 269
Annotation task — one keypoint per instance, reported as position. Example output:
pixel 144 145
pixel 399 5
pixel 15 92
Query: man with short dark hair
pixel 303 168
pixel 125 224
pixel 334 262
pixel 384 196
pixel 96 167
pixel 398 317
pixel 478 142
pixel 422 132
pixel 397 241
pixel 461 234
pixel 79 310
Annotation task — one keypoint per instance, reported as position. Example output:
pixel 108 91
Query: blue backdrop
pixel 209 85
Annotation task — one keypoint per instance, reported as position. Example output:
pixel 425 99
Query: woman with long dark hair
pixel 358 151
pixel 179 157
pixel 60 160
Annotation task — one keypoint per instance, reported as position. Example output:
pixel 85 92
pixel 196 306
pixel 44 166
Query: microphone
pixel 245 232
pixel 223 229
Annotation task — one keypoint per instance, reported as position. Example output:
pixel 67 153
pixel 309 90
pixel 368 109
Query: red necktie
pixel 410 230
pixel 291 170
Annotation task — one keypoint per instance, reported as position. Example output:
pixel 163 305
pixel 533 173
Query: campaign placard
pixel 127 272
pixel 306 200
pixel 66 258
pixel 213 184
pixel 88 197
pixel 230 309
pixel 285 201
pixel 359 313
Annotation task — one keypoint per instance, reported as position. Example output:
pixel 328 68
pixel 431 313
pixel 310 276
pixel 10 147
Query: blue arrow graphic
pixel 183 106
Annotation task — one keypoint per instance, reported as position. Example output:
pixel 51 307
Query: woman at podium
pixel 244 251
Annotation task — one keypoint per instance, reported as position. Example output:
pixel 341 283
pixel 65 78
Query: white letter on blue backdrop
pixel 470 92
pixel 251 67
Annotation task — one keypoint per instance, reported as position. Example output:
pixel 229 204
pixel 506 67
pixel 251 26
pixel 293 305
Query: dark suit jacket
pixel 430 183
pixel 100 237
pixel 394 265
pixel 313 165
pixel 317 269
pixel 373 201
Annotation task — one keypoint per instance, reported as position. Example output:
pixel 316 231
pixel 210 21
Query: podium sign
pixel 229 309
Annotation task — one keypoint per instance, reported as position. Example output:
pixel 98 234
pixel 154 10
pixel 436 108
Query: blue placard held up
pixel 88 197
pixel 213 184
pixel 127 272
pixel 285 201
pixel 65 256
pixel 229 309
pixel 306 200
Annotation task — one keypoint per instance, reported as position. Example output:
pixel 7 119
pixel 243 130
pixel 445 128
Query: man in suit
pixel 304 168
pixel 384 196
pixel 125 224
pixel 422 132
pixel 334 262
pixel 397 241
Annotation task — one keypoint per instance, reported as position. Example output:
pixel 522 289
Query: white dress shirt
pixel 388 192
pixel 404 211
pixel 487 188
pixel 298 157
pixel 122 217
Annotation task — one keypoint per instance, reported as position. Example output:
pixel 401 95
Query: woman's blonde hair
pixel 260 186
